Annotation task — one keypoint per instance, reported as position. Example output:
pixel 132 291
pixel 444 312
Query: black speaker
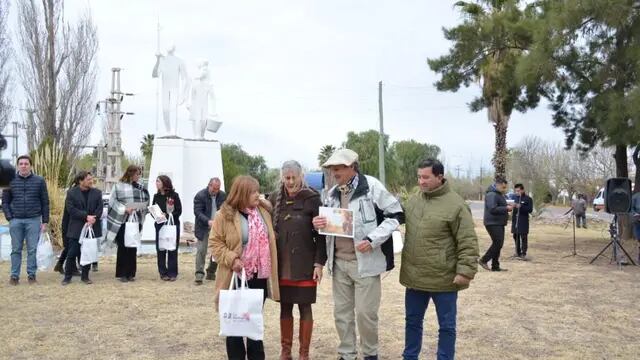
pixel 617 195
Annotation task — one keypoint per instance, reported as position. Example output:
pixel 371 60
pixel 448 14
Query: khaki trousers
pixel 356 300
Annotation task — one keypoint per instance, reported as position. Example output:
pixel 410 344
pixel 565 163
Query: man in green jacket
pixel 439 258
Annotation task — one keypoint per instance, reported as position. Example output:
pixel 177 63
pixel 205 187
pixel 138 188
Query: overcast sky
pixel 292 76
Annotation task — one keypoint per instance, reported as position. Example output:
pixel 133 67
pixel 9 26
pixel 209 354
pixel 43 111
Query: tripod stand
pixel 615 241
pixel 573 222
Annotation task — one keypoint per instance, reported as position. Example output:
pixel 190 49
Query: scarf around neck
pixel 256 255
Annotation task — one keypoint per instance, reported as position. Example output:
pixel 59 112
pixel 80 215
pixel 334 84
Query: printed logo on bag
pixel 236 317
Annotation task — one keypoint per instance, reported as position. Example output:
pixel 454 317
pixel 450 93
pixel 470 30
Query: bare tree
pixel 58 71
pixel 5 71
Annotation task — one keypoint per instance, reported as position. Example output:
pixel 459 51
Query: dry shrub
pixel 48 163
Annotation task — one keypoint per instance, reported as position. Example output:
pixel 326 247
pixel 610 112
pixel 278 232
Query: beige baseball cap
pixel 341 157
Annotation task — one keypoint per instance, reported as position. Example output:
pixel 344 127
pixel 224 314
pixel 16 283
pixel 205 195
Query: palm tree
pixel 487 47
pixel 146 148
pixel 325 153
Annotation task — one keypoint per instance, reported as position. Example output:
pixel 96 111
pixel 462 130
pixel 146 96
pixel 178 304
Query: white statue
pixel 203 103
pixel 175 83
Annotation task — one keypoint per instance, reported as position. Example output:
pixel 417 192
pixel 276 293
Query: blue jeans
pixel 21 230
pixel 636 231
pixel 415 302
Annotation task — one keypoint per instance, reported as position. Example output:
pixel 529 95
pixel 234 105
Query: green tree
pixel 406 156
pixel 586 58
pixel 366 145
pixel 236 161
pixel 325 153
pixel 487 46
pixel 146 148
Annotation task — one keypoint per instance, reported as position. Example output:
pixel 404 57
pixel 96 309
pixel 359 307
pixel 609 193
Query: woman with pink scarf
pixel 242 238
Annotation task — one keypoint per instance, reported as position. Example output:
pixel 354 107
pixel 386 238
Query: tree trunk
pixel 51 68
pixel 636 162
pixel 500 123
pixel 622 169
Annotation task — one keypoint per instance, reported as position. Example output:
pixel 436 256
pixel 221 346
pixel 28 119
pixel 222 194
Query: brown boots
pixel 306 328
pixel 286 338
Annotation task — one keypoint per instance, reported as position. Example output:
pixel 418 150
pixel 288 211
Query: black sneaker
pixel 131 278
pixel 94 267
pixel 198 282
pixel 66 282
pixel 32 280
pixel 123 279
pixel 14 281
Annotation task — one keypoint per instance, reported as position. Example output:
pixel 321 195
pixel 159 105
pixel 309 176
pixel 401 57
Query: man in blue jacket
pixel 26 206
pixel 496 215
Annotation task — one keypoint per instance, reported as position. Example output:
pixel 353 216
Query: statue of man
pixel 203 102
pixel 175 82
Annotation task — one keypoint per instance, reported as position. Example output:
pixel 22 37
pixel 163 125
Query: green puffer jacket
pixel 440 241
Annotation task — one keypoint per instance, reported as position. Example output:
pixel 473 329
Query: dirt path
pixel 548 308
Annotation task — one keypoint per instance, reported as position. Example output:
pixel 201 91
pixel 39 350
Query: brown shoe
pixel 484 265
pixel 286 338
pixel 306 328
pixel 14 281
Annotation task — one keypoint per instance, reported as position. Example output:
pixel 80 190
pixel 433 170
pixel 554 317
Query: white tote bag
pixel 45 258
pixel 167 236
pixel 132 236
pixel 88 246
pixel 240 310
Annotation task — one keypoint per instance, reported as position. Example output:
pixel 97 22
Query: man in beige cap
pixel 356 263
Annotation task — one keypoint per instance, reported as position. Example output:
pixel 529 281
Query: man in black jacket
pixel 26 206
pixel 520 221
pixel 496 215
pixel 84 205
pixel 205 205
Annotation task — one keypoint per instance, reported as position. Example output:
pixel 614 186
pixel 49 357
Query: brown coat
pixel 225 244
pixel 300 247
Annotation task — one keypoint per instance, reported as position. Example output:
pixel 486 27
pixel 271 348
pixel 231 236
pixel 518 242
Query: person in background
pixel 206 204
pixel 26 206
pixel 127 191
pixel 84 206
pixel 302 254
pixel 242 238
pixel 635 212
pixel 169 202
pixel 520 221
pixel 579 207
pixel 496 216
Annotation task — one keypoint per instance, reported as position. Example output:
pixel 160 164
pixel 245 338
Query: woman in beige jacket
pixel 242 237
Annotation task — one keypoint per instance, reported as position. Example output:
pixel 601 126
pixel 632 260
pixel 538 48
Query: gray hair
pixel 290 165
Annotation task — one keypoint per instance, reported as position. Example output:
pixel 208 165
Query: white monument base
pixel 190 164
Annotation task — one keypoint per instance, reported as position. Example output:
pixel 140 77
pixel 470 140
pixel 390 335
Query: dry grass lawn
pixel 548 308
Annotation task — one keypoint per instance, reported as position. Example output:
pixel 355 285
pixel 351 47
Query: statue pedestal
pixel 190 164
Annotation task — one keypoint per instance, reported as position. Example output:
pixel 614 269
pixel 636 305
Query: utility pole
pixel 458 168
pixel 381 137
pixel 110 166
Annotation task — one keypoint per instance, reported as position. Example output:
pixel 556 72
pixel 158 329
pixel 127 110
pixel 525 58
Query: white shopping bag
pixel 167 236
pixel 45 258
pixel 88 246
pixel 398 243
pixel 241 310
pixel 132 235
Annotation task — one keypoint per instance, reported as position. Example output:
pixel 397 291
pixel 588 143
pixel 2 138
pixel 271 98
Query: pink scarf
pixel 256 255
